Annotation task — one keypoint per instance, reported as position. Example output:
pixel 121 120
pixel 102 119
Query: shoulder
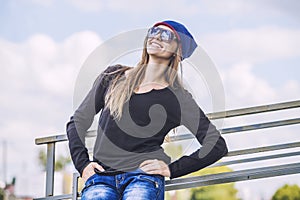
pixel 111 72
pixel 182 93
pixel 115 69
pixel 185 97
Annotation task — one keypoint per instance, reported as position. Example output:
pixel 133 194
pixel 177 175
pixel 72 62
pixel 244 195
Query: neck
pixel 155 60
pixel 155 71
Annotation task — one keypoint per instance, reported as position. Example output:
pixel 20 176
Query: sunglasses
pixel 165 35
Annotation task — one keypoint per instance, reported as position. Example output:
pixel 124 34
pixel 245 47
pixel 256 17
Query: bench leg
pixel 50 169
pixel 75 186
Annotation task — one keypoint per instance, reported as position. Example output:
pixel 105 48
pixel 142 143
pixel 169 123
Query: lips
pixel 156 44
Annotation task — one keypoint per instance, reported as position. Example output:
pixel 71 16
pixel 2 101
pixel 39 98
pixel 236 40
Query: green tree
pixel 173 150
pixel 214 192
pixel 287 192
pixel 1 194
pixel 60 162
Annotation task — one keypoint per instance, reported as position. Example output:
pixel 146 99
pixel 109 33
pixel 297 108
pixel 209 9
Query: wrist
pixel 83 167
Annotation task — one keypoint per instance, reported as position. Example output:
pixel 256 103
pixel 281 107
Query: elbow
pixel 225 152
pixel 222 147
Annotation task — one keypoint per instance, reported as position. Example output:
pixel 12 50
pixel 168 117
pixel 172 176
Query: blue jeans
pixel 135 185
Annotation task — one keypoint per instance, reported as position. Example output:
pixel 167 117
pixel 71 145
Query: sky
pixel 255 46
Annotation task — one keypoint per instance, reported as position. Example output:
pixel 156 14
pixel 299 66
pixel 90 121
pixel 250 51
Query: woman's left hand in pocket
pixel 155 167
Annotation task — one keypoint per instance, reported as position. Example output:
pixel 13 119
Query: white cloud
pixel 253 45
pixel 243 88
pixel 239 51
pixel 38 76
pixel 290 90
pixel 37 82
pixel 41 63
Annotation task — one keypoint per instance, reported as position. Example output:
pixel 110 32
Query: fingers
pixel 89 170
pixel 150 166
pixel 97 166
pixel 147 162
pixel 155 167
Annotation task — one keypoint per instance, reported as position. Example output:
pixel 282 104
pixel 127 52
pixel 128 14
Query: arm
pixel 213 145
pixel 83 118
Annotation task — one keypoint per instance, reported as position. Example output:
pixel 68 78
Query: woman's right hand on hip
pixel 89 170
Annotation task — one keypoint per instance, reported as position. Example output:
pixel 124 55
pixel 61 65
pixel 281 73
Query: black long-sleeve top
pixel 122 145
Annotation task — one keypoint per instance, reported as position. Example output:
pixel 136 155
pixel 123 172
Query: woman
pixel 139 106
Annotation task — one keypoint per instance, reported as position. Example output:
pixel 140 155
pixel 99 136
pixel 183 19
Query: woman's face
pixel 159 47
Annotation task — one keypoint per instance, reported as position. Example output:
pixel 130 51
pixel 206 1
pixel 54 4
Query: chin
pixel 158 53
pixel 152 51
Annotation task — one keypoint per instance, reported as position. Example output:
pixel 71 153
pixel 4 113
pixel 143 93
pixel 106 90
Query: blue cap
pixel 188 44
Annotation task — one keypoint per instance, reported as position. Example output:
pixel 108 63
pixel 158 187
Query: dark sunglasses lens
pixel 153 32
pixel 165 35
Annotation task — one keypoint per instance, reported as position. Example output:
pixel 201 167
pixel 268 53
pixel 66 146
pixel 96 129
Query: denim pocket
pixel 90 178
pixel 89 182
pixel 151 181
pixel 155 180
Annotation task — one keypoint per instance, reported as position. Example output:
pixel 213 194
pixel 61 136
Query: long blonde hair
pixel 123 87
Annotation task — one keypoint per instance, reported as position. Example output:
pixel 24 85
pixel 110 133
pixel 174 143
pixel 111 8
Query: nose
pixel 157 36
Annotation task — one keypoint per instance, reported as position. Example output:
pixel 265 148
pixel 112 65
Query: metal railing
pixel 182 183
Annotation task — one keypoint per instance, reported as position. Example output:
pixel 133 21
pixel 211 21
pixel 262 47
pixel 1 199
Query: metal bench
pixel 196 181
